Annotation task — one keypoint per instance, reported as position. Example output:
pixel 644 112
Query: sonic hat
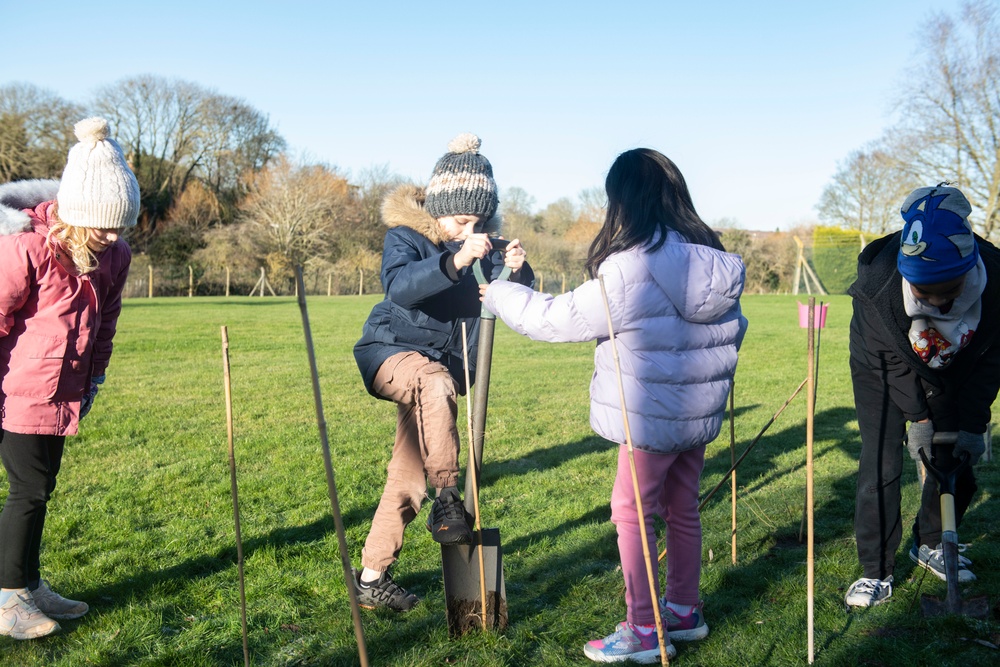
pixel 937 244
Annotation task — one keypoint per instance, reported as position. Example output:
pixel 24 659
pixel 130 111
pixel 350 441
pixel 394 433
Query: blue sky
pixel 756 102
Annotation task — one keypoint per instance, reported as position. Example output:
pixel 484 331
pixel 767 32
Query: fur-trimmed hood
pixel 404 207
pixel 19 195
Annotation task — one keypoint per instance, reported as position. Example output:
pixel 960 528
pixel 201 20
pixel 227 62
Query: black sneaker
pixel 447 521
pixel 383 593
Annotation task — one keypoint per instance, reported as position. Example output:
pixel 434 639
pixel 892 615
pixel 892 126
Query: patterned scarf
pixel 937 337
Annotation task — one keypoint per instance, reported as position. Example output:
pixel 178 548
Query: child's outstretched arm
pixel 576 316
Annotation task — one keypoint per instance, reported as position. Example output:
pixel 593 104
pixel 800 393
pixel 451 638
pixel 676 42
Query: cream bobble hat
pixel 98 189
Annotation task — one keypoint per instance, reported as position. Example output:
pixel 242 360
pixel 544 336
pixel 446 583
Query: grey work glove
pixel 971 443
pixel 919 436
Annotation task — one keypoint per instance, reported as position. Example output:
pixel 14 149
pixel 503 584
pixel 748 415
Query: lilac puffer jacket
pixel 678 327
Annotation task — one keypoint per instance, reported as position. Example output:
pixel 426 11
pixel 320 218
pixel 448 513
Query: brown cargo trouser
pixel 426 448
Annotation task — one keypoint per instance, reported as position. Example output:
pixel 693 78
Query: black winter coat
pixel 879 341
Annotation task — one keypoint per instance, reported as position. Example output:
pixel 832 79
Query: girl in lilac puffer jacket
pixel 674 297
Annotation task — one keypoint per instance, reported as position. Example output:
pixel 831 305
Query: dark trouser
pixel 32 463
pixel 877 522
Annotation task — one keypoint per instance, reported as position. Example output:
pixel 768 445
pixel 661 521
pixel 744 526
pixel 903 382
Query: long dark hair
pixel 647 197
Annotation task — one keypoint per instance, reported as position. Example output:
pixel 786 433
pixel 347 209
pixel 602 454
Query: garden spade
pixel 945 469
pixel 464 582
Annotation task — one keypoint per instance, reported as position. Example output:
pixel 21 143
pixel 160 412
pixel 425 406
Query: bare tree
pixel 36 131
pixel 13 147
pixel 516 209
pixel 294 215
pixel 175 131
pixel 559 216
pixel 239 139
pixel 590 217
pixel 951 109
pixel 369 190
pixel 866 191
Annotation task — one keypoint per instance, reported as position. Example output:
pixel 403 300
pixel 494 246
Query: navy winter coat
pixel 424 308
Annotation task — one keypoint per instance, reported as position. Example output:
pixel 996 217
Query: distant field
pixel 141 524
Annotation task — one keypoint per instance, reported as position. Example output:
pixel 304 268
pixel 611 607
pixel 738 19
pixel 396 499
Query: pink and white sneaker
pixel 626 643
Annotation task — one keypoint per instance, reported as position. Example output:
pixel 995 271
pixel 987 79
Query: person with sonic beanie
pixel 922 351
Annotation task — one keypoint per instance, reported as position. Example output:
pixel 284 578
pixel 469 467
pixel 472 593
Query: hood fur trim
pixel 404 207
pixel 19 195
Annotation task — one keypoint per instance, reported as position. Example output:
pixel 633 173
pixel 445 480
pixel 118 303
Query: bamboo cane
pixel 345 557
pixel 472 472
pixel 732 459
pixel 236 503
pixel 653 583
pixel 753 443
pixel 810 498
pixel 815 365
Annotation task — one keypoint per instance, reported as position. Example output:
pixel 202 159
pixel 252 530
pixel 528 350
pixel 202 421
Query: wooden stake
pixel 232 480
pixel 810 539
pixel 338 522
pixel 732 457
pixel 653 583
pixel 746 451
pixel 472 473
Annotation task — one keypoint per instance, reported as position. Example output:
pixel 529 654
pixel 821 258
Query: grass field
pixel 141 525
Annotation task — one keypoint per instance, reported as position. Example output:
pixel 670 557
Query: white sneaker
pixel 21 619
pixel 869 592
pixel 54 605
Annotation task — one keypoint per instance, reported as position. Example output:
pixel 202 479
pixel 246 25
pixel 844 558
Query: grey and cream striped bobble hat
pixel 462 182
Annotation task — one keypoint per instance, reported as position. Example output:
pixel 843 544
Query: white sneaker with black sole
pixel 869 592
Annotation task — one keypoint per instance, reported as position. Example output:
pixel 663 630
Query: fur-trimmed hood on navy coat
pixel 424 307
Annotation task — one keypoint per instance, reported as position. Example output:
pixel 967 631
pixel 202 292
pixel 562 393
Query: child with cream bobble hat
pixel 62 269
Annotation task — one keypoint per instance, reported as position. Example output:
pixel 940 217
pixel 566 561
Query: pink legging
pixel 668 486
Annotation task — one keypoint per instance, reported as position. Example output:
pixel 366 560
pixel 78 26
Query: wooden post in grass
pixel 190 281
pixel 473 476
pixel 236 502
pixel 331 484
pixel 732 457
pixel 329 284
pixel 753 443
pixel 227 280
pixel 361 282
pixel 150 280
pixel 654 584
pixel 818 327
pixel 810 535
